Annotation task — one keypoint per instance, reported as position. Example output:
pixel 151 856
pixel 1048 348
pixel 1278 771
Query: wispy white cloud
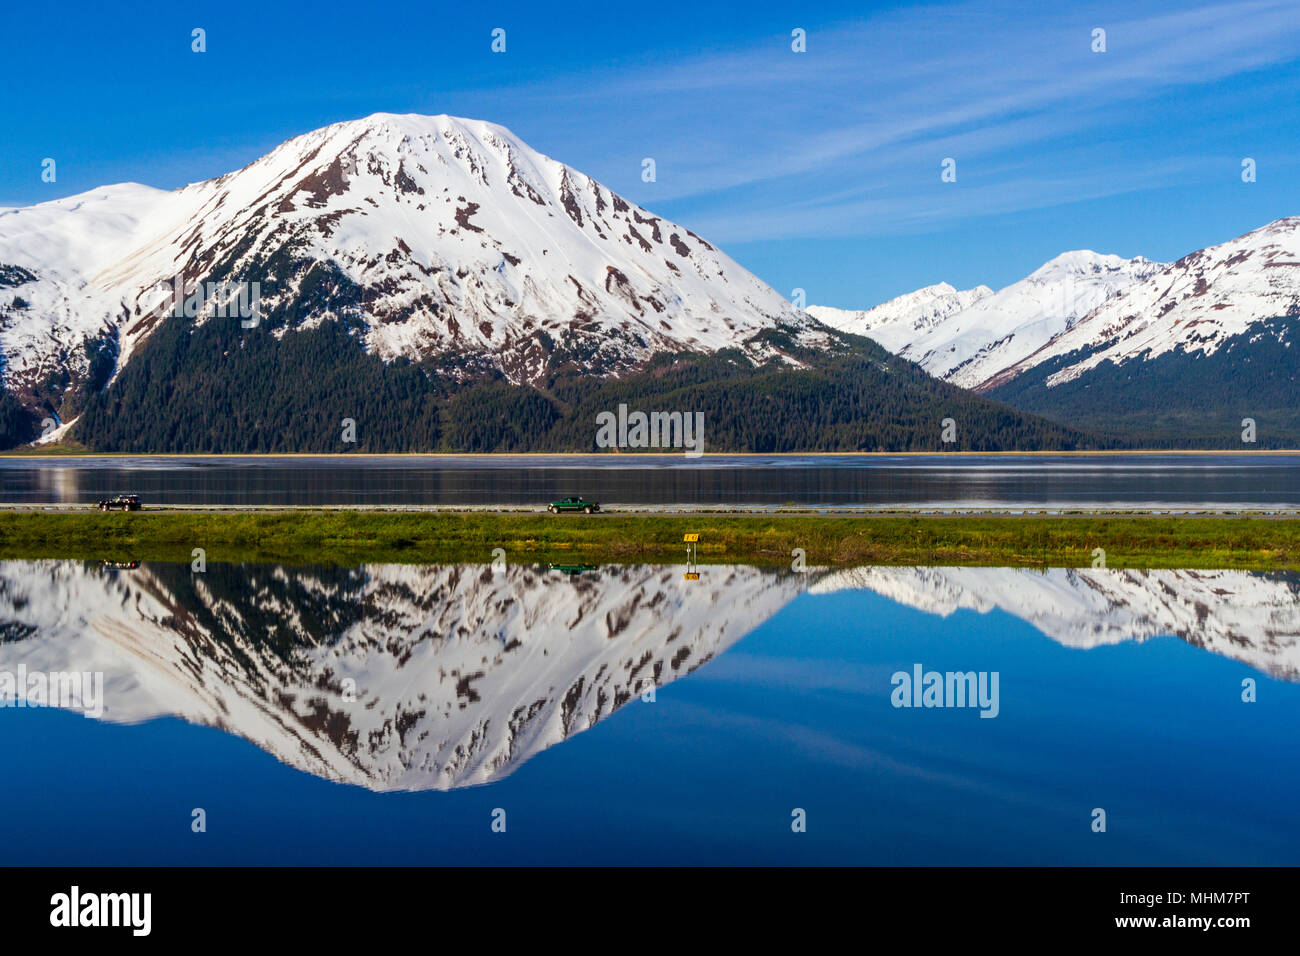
pixel 847 138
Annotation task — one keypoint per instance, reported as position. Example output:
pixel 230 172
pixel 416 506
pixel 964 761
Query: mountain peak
pixel 1083 262
pixel 1195 305
pixel 897 322
pixel 447 237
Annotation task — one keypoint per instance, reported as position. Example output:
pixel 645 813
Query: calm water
pixel 938 481
pixel 391 714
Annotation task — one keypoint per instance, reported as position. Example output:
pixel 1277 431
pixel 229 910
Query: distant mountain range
pixel 445 287
pixel 1158 354
pixel 398 677
pixel 971 337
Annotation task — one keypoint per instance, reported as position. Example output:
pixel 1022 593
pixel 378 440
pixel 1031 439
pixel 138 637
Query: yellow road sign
pixel 692 575
pixel 688 538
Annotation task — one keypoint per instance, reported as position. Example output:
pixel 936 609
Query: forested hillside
pixel 218 388
pixel 1180 399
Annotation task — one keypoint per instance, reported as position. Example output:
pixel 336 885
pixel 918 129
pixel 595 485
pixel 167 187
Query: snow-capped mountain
pixel 900 322
pixel 1160 355
pixel 1192 306
pixel 1083 309
pixel 970 338
pixel 389 677
pixel 444 236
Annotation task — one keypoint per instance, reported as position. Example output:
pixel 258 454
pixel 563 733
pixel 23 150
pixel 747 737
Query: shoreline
pixel 71 455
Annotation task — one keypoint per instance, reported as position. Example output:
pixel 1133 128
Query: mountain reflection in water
pixel 399 677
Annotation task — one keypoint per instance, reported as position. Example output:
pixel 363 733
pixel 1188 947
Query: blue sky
pixel 818 170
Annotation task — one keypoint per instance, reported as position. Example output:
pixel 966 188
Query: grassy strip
pixel 355 537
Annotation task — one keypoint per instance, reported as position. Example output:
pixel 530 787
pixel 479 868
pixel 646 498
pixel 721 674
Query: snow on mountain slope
pixel 1093 308
pixel 899 322
pixel 1194 304
pixel 1252 618
pixel 969 338
pixel 458 675
pixel 64 246
pixel 450 236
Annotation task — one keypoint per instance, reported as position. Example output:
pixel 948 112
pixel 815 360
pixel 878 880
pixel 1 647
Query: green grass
pixel 354 537
pixel 60 449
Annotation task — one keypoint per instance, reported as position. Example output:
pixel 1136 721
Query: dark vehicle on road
pixel 120 503
pixel 573 504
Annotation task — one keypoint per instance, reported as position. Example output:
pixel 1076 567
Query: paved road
pixel 703 510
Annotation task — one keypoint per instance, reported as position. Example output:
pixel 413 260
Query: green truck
pixel 573 504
